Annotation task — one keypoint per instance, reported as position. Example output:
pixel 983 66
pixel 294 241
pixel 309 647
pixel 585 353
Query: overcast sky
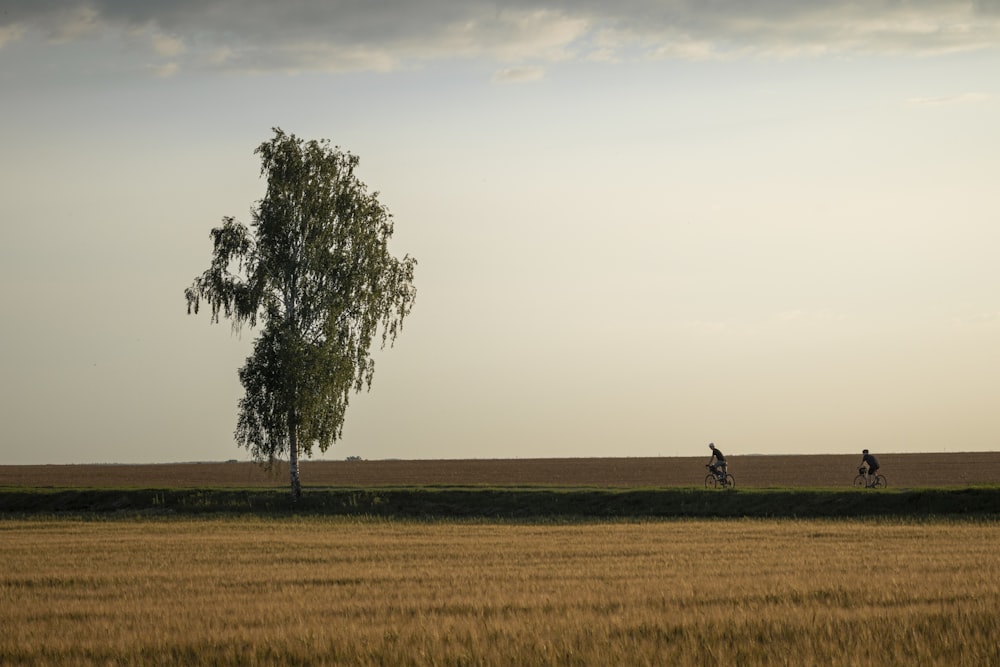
pixel 641 226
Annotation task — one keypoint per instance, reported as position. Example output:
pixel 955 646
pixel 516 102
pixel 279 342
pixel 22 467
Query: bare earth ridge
pixel 754 471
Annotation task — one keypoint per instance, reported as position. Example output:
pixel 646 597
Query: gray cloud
pixel 366 35
pixel 518 74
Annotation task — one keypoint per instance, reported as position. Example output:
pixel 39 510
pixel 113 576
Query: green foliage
pixel 515 503
pixel 315 271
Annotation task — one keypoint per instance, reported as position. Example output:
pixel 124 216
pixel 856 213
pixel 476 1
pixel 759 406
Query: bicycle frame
pixel 871 481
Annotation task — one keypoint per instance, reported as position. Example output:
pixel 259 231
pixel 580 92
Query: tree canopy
pixel 314 271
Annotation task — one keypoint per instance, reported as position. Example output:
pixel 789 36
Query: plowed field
pixel 901 470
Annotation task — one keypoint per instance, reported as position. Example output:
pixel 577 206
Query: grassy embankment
pixel 511 502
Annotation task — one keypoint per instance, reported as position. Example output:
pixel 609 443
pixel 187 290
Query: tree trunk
pixel 293 459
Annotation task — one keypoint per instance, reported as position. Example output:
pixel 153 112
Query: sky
pixel 641 226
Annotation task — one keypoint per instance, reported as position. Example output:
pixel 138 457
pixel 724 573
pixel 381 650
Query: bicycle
pixel 715 478
pixel 864 480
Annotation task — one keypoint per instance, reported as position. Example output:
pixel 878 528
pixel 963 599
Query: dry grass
pixel 902 470
pixel 340 592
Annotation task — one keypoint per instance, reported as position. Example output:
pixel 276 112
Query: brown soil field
pixel 823 470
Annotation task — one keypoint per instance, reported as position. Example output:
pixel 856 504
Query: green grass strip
pixel 509 502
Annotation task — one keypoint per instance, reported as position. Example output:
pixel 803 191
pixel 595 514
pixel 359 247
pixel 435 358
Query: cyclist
pixel 720 461
pixel 872 465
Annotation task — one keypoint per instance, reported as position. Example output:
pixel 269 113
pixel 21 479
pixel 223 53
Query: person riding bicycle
pixel 720 461
pixel 872 465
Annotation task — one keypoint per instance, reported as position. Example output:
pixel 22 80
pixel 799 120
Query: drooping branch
pixel 236 294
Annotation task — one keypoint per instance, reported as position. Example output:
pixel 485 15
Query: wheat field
pixel 367 592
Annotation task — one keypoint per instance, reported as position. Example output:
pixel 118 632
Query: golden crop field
pixel 753 471
pixel 367 592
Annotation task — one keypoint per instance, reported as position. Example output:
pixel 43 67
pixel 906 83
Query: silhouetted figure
pixel 872 462
pixel 719 461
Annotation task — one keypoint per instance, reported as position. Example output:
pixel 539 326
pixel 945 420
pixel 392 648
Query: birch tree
pixel 313 271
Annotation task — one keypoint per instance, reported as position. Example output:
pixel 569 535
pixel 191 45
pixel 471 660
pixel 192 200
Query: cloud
pixel 165 70
pixel 169 46
pixel 64 22
pixel 10 33
pixel 823 317
pixel 981 318
pixel 343 35
pixel 519 74
pixel 949 100
pixel 221 56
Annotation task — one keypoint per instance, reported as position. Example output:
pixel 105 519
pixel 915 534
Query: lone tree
pixel 314 268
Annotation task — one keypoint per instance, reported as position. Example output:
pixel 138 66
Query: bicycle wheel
pixel 730 481
pixel 710 481
pixel 860 482
pixel 880 482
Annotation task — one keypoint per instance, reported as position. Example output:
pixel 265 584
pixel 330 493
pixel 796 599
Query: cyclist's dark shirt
pixel 870 460
pixel 718 455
